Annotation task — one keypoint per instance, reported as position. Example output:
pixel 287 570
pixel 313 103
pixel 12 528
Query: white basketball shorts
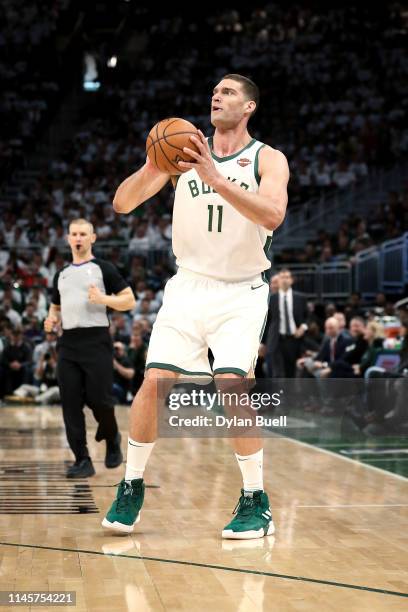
pixel 199 313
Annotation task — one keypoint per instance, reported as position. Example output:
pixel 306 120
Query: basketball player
pixel 227 203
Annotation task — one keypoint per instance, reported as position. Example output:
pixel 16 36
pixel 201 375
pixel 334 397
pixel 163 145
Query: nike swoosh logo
pixel 257 286
pixel 138 445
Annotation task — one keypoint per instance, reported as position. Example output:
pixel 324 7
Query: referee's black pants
pixel 85 376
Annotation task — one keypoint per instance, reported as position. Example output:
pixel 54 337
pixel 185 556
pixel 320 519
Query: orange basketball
pixel 165 142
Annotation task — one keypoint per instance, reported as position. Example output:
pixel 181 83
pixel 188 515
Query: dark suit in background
pixel 282 346
pixel 331 354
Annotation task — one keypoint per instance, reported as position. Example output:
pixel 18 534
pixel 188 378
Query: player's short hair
pixel 81 222
pixel 250 88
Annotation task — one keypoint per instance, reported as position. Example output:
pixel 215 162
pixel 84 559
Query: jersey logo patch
pixel 243 161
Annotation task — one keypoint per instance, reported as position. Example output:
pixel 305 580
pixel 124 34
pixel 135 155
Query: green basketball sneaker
pixel 253 517
pixel 125 510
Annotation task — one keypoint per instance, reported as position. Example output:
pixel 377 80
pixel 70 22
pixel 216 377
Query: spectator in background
pixel 385 408
pixel 49 345
pixel 140 243
pixel 345 367
pixel 285 327
pixel 361 235
pixel 154 302
pixel 12 315
pixel 148 298
pixel 123 373
pixel 380 304
pixel 308 254
pixel 312 339
pixel 330 310
pixel 120 328
pixel 342 246
pixel 374 337
pixel 331 350
pixel 145 312
pixel 321 174
pixel 343 177
pixel 354 307
pixel 32 331
pixel 16 363
pixel 326 255
pixel 323 366
pixel 137 356
pixel 28 313
pixel 38 295
pixel 341 320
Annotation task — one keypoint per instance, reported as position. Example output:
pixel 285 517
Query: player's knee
pixel 153 374
pixel 158 382
pixel 228 381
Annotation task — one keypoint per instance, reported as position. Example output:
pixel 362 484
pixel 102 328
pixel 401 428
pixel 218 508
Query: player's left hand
pixel 203 163
pixel 95 295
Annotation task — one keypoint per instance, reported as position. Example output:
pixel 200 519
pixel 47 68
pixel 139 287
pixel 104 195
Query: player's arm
pixel 267 207
pixel 139 187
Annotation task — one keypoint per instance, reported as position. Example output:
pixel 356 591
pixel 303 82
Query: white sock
pixel 138 454
pixel 251 467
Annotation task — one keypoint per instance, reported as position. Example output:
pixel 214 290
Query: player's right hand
pixel 50 323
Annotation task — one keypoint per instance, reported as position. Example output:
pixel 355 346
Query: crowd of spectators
pixel 350 344
pixel 362 331
pixel 387 220
pixel 345 65
pixel 25 350
pixel 30 74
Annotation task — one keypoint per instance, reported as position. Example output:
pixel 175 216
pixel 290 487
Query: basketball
pixel 165 142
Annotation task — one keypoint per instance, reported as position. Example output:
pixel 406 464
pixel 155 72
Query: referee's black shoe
pixel 81 469
pixel 113 456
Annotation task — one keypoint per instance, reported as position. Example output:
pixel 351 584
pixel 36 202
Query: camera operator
pixel 45 390
pixel 123 372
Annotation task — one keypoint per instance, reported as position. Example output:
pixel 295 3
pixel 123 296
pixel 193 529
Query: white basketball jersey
pixel 210 236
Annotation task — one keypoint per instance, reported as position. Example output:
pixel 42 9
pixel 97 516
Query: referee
pixel 82 292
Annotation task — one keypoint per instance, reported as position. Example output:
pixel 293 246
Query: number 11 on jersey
pixel 210 217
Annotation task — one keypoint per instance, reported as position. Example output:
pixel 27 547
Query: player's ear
pixel 250 106
pixel 93 238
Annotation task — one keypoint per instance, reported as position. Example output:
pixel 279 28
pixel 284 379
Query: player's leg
pixel 253 517
pixel 233 361
pixel 71 381
pixel 125 510
pixel 176 347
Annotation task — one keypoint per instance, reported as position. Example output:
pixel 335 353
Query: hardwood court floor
pixel 341 536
